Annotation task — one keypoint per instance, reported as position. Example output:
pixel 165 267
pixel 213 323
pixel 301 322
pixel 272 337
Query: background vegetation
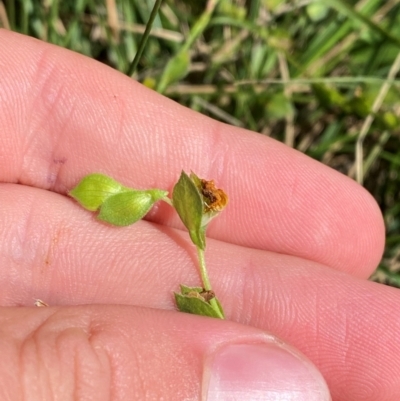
pixel 318 75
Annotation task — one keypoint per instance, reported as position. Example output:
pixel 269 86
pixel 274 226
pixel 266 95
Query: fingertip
pixel 295 205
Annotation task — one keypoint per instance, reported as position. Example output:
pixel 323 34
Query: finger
pixel 57 252
pixel 120 353
pixel 64 116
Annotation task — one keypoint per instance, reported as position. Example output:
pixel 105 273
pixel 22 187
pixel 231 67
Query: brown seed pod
pixel 208 295
pixel 215 199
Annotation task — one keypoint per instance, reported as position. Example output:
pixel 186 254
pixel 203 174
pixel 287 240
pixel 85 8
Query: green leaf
pixel 176 69
pixel 196 180
pixel 189 206
pixel 186 290
pixel 94 189
pixel 279 106
pixel 198 237
pixel 317 11
pixel 128 207
pixel 351 12
pixel 216 305
pixel 191 300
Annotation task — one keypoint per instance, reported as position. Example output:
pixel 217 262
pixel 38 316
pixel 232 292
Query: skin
pixel 290 254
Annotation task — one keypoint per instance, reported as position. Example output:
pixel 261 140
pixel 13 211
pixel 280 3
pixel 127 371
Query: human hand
pixel 289 255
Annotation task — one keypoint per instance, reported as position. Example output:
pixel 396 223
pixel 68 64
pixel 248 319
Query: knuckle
pixel 58 360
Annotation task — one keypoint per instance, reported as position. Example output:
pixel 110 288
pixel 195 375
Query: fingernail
pixel 262 371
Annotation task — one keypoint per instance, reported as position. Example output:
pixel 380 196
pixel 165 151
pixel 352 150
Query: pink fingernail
pixel 262 371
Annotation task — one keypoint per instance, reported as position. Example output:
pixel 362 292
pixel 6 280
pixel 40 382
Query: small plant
pixel 197 202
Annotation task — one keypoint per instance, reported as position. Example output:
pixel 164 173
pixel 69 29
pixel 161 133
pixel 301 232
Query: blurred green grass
pixel 320 76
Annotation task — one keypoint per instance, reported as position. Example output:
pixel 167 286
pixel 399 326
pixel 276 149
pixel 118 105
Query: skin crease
pixel 289 255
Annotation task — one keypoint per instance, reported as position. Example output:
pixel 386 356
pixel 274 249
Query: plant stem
pixel 203 270
pixel 206 281
pixel 145 36
pixel 167 200
pixel 11 14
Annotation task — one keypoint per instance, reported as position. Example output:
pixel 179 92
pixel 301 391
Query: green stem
pixel 201 24
pixel 203 270
pixel 53 16
pixel 206 281
pixel 24 19
pixel 145 36
pixel 167 200
pixel 10 4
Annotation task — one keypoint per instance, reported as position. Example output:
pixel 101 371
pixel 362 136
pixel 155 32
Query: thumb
pixel 131 353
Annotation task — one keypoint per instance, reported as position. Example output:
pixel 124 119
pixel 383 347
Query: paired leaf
pixel 128 207
pixel 198 302
pixel 118 204
pixel 188 203
pixel 94 189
